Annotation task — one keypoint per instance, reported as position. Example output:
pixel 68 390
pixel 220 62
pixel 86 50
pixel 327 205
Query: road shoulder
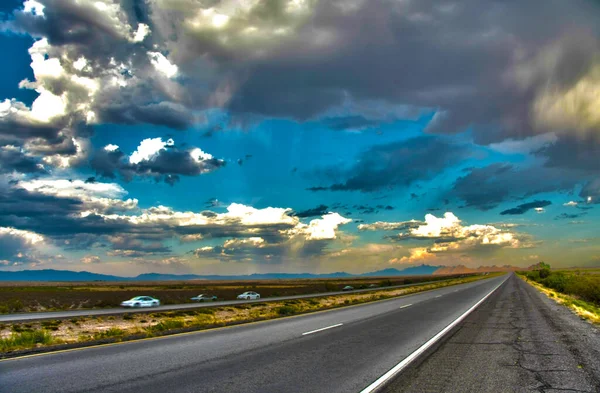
pixel 517 341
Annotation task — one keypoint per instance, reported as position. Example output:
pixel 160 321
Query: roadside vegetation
pixel 29 297
pixel 87 330
pixel 578 289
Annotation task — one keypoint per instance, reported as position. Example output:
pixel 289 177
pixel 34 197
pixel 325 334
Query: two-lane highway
pixel 46 315
pixel 343 350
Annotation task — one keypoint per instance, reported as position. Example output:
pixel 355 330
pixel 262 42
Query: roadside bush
pixel 585 287
pixel 21 328
pixel 545 272
pixel 385 283
pixel 557 281
pixel 286 310
pixel 111 332
pixel 208 311
pixel 12 306
pixel 51 325
pixel 167 324
pixel 28 339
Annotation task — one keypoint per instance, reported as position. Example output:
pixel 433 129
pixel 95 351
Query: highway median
pixel 19 339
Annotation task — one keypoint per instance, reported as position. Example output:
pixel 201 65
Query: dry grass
pixel 115 328
pixel 585 310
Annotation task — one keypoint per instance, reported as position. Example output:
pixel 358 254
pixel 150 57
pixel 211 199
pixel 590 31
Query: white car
pixel 141 301
pixel 249 296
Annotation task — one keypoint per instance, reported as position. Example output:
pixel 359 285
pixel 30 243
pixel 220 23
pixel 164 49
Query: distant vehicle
pixel 249 296
pixel 204 298
pixel 141 301
pixel 373 286
pixel 348 288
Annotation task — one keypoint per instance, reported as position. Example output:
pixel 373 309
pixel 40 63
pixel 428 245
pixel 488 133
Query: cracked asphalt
pixel 517 341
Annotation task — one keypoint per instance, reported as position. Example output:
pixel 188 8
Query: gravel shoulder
pixel 517 341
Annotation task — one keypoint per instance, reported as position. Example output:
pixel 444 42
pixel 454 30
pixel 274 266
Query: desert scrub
pixel 167 324
pixel 583 286
pixel 109 333
pixel 51 325
pixel 26 339
pixel 584 309
pixel 286 310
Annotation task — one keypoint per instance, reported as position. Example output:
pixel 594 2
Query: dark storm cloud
pixel 131 247
pixel 478 64
pixel 464 58
pixel 591 191
pixel 398 164
pixel 566 216
pixel 525 207
pixel 166 165
pixel 14 160
pixel 487 187
pixel 316 211
pixel 573 151
pixel 166 114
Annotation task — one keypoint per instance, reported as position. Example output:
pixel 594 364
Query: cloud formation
pixel 525 207
pixel 397 164
pixel 155 159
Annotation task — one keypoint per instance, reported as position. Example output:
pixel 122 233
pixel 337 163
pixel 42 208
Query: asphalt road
pixel 38 316
pixel 342 350
pixel 517 341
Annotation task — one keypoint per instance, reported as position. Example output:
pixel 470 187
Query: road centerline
pixel 320 330
pixel 406 305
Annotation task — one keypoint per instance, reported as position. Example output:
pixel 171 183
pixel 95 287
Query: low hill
pixel 70 276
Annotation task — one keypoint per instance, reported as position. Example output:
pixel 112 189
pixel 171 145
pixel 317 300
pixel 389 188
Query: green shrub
pixel 26 339
pixel 557 281
pixel 286 310
pixel 167 324
pixel 585 287
pixel 111 332
pixel 51 325
pixel 22 328
pixel 545 272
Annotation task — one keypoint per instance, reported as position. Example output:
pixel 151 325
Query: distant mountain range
pixel 68 275
pixel 462 269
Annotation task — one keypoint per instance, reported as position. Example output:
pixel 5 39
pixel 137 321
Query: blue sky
pixel 231 138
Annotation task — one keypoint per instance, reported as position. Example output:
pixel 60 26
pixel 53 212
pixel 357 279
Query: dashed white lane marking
pixel 438 296
pixel 320 330
pixel 406 305
pixel 400 366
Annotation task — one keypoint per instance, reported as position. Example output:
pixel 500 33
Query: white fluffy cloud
pixel 147 149
pixel 449 235
pixel 456 236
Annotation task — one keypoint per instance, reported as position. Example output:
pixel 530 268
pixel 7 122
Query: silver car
pixel 249 295
pixel 204 298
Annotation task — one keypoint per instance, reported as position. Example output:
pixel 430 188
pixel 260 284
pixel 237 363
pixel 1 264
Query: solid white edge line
pixel 400 366
pixel 406 305
pixel 325 328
